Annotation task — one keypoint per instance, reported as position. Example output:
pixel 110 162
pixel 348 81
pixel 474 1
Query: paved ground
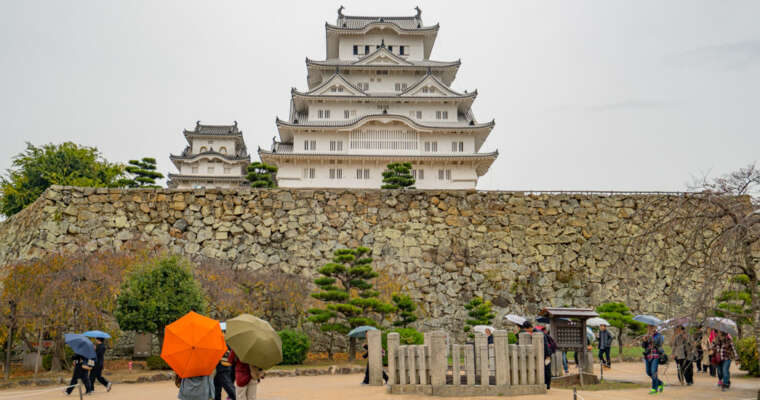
pixel 348 387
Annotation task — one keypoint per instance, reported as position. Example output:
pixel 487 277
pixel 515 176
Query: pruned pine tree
pixel 143 173
pixel 405 308
pixel 480 313
pixel 349 297
pixel 262 175
pixel 398 176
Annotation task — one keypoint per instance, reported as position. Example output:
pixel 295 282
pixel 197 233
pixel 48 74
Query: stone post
pixel 588 366
pixel 375 358
pixel 438 363
pixel 469 364
pixel 523 364
pixel 501 357
pixel 412 365
pixel 538 350
pixel 403 375
pixel 485 372
pixel 480 340
pixel 513 358
pixel 456 364
pixel 394 341
pixel 422 364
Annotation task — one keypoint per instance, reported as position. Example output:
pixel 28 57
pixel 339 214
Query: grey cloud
pixel 733 55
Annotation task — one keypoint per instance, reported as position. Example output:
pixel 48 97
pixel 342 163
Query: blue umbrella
pixel 648 319
pixel 81 345
pixel 97 334
pixel 590 335
pixel 361 331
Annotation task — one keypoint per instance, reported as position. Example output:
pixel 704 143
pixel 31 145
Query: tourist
pixel 550 346
pixel 489 335
pixel 699 350
pixel 683 352
pixel 366 368
pixel 707 343
pixel 724 350
pixel 605 343
pixel 247 377
pixel 652 344
pixel 81 366
pixel 97 371
pixel 223 379
pixel 195 388
pixel 564 362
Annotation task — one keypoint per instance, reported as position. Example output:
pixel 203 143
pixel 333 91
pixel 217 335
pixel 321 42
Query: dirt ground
pixel 348 387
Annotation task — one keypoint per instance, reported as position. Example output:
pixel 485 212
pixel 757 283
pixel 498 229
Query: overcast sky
pixel 587 95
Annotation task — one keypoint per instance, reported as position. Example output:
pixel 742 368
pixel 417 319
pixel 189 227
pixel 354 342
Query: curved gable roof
pixel 431 79
pixel 332 79
pixel 380 52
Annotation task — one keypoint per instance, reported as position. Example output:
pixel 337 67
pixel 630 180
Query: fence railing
pixel 472 369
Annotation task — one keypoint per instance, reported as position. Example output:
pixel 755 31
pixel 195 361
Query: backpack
pixel 550 346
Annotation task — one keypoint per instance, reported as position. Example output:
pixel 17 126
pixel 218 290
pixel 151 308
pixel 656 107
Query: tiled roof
pixel 360 22
pixel 222 130
pixel 342 123
pixel 230 157
pixel 333 62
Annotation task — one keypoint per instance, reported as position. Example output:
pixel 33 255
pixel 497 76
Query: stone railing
pixel 475 369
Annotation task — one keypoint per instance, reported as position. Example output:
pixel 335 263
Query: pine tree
pixel 736 303
pixel 480 313
pixel 620 317
pixel 349 297
pixel 398 176
pixel 144 174
pixel 405 308
pixel 262 175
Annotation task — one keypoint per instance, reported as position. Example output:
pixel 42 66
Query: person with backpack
pixel 82 366
pixel 683 352
pixel 653 354
pixel 550 346
pixel 223 379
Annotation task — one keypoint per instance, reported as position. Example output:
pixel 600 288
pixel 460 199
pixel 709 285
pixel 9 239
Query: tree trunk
pixel 39 353
pixel 351 349
pixel 755 312
pixel 620 344
pixel 55 363
pixel 160 335
pixel 8 352
pixel 330 346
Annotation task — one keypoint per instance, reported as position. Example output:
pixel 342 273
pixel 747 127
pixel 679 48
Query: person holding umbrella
pixel 652 344
pixel 255 347
pixel 83 359
pixel 96 374
pixel 724 350
pixel 605 345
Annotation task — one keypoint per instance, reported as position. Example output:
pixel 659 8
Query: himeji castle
pixel 378 98
pixel 215 157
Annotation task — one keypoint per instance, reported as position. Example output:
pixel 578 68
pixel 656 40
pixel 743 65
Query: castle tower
pixel 216 157
pixel 377 98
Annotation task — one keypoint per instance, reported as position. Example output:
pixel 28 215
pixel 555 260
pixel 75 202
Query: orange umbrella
pixel 193 345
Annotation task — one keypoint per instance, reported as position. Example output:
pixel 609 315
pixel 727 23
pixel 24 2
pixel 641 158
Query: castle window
pixel 390 48
pixel 457 147
pixel 366 49
pixel 223 150
pixel 356 50
pixel 401 50
pixel 203 149
pixel 346 114
pixel 336 173
pixel 309 173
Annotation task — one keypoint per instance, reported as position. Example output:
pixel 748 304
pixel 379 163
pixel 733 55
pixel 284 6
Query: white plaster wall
pixel 187 168
pixel 338 107
pixel 291 175
pixel 444 144
pixel 216 144
pixel 414 45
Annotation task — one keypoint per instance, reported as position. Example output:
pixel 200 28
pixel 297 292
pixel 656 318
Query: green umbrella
pixel 254 341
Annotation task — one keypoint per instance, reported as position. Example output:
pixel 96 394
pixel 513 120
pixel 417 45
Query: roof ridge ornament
pixel 340 11
pixel 382 43
pixel 419 12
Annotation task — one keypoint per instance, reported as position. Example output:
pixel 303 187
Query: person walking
pixel 605 344
pixel 725 352
pixel 223 378
pixel 247 377
pixel 712 362
pixel 683 353
pixel 550 346
pixel 366 368
pixel 699 350
pixel 652 344
pixel 195 388
pixel 96 374
pixel 81 367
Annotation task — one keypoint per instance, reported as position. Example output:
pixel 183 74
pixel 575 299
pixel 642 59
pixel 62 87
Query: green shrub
pixel 295 345
pixel 47 359
pixel 748 361
pixel 512 338
pixel 406 336
pixel 156 362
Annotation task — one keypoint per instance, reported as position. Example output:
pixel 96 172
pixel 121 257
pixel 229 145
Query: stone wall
pixel 522 251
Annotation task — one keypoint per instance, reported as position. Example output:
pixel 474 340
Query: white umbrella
pixel 722 324
pixel 515 319
pixel 482 328
pixel 596 321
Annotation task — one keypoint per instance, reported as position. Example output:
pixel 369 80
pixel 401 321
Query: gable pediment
pixel 337 86
pixel 382 56
pixel 432 87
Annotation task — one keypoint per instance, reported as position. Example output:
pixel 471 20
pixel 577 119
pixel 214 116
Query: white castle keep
pixel 377 98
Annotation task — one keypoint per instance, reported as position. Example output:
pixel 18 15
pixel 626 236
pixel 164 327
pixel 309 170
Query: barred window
pixel 383 139
pixel 309 173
